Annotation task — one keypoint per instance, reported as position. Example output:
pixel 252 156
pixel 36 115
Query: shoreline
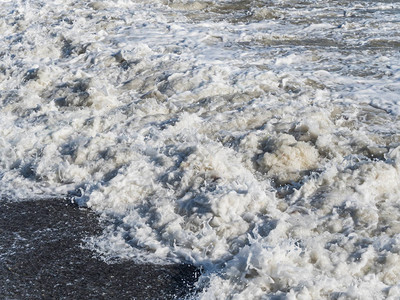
pixel 41 258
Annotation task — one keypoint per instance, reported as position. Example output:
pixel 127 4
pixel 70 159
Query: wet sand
pixel 41 258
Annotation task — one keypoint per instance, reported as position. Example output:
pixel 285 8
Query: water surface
pixel 258 140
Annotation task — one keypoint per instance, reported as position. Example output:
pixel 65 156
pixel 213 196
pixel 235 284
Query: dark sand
pixel 41 258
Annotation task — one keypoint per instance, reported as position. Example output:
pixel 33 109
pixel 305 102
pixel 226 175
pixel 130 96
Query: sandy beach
pixel 41 258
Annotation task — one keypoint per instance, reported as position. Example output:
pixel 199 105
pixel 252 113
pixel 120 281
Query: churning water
pixel 259 140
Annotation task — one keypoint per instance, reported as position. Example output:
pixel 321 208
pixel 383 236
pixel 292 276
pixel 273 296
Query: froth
pixel 260 143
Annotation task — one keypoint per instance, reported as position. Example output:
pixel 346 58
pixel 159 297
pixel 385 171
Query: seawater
pixel 258 140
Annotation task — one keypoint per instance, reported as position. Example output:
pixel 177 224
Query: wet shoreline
pixel 41 258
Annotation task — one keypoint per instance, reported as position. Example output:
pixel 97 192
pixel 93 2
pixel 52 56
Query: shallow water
pixel 42 257
pixel 256 139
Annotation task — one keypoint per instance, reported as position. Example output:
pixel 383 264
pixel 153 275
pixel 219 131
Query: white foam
pixel 257 141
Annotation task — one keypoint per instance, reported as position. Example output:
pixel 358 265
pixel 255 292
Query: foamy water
pixel 258 140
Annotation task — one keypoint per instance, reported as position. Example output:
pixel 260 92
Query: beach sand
pixel 41 258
